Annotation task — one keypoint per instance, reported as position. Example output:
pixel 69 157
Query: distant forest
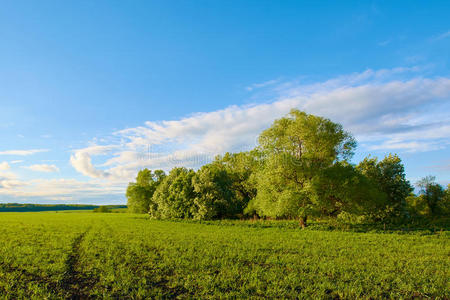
pixel 19 207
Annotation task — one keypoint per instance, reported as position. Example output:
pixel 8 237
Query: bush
pixel 102 209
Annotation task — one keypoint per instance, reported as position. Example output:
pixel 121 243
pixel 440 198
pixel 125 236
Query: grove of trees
pixel 300 169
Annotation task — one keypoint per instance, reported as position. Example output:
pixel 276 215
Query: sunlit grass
pixel 119 255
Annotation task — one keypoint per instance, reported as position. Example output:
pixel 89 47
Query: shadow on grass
pixel 413 226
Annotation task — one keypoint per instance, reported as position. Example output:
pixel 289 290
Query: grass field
pixel 81 255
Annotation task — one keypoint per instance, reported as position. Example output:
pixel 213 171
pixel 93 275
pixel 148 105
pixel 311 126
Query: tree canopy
pixel 389 176
pixel 173 196
pixel 140 193
pixel 298 149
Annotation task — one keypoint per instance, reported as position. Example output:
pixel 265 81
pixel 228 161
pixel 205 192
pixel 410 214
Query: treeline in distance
pixel 27 207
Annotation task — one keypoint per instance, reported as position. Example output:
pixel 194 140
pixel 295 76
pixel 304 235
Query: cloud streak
pixel 22 152
pixel 443 35
pixel 43 168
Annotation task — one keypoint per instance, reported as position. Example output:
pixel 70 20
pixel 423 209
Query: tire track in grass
pixel 75 284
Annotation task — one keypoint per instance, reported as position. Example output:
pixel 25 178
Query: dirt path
pixel 76 284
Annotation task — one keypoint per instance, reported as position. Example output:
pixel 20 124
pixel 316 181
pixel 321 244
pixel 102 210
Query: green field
pixel 82 255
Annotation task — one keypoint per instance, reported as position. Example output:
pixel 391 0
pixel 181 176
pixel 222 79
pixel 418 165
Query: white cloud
pixel 82 162
pixel 22 152
pixel 386 110
pixel 59 189
pixel 71 190
pixel 8 180
pixel 261 85
pixel 43 168
pixel 4 166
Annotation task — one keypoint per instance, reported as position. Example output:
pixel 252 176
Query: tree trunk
pixel 303 221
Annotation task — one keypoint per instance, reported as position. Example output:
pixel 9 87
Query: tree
pixel 241 167
pixel 417 205
pixel 174 197
pixel 389 176
pixel 102 209
pixel 433 194
pixel 310 138
pixel 445 205
pixel 341 188
pixel 296 149
pixel 139 194
pixel 215 198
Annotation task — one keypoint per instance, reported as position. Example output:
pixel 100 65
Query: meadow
pixel 87 255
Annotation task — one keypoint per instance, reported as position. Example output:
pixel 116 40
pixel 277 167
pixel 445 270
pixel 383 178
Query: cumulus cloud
pixel 4 166
pixel 8 180
pixel 82 162
pixel 392 109
pixel 43 168
pixel 22 152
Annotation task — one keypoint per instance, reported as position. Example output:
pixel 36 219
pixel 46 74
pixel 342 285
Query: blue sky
pixel 92 91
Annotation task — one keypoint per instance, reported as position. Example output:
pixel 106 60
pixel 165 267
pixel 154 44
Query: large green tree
pixel 297 149
pixel 139 194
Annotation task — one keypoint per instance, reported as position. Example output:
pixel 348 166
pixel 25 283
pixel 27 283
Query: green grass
pixel 57 255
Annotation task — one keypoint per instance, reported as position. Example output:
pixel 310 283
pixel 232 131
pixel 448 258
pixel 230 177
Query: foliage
pixel 298 149
pixel 174 197
pixel 314 140
pixel 242 168
pixel 139 194
pixel 342 189
pixel 102 209
pixel 128 256
pixel 434 195
pixel 389 176
pixel 215 199
pixel 416 205
pixel 445 205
